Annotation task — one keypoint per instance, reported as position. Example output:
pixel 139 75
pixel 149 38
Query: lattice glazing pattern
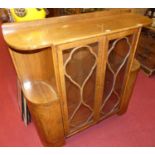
pixel 118 54
pixel 80 67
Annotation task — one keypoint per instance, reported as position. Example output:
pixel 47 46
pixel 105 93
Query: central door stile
pixel 100 76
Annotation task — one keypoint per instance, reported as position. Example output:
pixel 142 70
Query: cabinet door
pixel 78 68
pixel 120 54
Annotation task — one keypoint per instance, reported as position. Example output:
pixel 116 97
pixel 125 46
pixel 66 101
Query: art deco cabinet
pixel 75 71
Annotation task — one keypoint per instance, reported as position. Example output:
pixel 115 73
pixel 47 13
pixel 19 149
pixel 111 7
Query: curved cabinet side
pixel 48 121
pixel 36 73
pixel 130 86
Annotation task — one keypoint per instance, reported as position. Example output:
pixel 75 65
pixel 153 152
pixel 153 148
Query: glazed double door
pixel 93 76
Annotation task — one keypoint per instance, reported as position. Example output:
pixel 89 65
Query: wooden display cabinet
pixel 76 70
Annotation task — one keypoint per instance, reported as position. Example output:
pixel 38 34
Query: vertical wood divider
pixel 100 76
pixel 123 103
pixel 58 83
pixel 63 90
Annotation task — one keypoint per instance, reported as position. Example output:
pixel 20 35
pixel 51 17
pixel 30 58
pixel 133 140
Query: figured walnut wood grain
pixel 54 31
pixel 39 92
pixel 48 121
pixel 37 49
pixel 36 72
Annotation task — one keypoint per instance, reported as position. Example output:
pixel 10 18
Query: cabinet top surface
pixel 60 30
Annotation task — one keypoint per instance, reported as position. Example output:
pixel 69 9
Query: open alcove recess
pixel 77 70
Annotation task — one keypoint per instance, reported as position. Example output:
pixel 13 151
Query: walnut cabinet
pixel 75 71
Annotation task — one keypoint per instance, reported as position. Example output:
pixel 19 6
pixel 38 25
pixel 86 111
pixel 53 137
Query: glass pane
pixel 118 53
pixel 80 75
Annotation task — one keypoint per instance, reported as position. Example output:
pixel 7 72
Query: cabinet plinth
pixel 74 72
